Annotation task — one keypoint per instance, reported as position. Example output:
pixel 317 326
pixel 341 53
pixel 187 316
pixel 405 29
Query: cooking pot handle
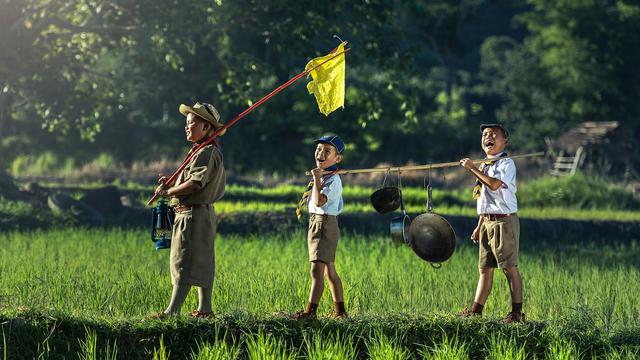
pixel 400 191
pixel 384 181
pixel 436 266
pixel 427 185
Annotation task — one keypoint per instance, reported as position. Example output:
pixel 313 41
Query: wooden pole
pixel 210 139
pixel 424 167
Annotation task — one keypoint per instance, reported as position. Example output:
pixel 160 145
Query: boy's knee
pixel 331 275
pixel 329 271
pixel 485 271
pixel 315 273
pixel 317 269
pixel 510 271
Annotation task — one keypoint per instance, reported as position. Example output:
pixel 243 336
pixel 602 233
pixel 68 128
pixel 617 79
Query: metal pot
pixel 431 236
pixel 399 227
pixel 386 199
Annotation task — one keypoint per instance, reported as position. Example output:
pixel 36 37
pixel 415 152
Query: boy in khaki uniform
pixel 498 229
pixel 200 184
pixel 325 203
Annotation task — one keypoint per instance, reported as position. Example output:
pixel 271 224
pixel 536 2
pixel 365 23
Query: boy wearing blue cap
pixel 498 230
pixel 324 195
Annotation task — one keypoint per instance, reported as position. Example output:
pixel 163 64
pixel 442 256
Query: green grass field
pixel 78 292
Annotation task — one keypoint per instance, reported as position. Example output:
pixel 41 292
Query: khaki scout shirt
pixel 207 168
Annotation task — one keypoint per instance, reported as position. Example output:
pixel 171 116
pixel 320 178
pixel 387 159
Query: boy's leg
pixel 515 287
pixel 204 300
pixel 178 297
pixel 486 264
pixel 510 247
pixel 317 281
pixel 317 288
pixel 335 285
pixel 485 283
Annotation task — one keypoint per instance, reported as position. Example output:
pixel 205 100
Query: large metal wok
pixel 431 236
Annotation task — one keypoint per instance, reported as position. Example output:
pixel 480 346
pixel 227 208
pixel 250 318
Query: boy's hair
pixel 505 132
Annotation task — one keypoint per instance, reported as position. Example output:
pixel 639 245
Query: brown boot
pixel 342 315
pixel 200 314
pixel 311 312
pixel 339 311
pixel 476 310
pixel 302 315
pixel 515 317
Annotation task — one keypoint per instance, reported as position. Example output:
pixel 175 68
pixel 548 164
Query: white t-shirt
pixel 503 200
pixel 332 189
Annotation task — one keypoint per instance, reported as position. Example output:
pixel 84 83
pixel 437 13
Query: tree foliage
pixel 82 77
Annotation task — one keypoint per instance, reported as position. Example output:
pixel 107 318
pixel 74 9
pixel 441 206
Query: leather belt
pixel 183 208
pixel 494 217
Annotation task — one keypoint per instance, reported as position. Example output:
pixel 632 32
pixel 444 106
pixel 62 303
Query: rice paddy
pixel 101 284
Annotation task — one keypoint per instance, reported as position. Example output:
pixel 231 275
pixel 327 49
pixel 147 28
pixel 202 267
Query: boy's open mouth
pixel 489 144
pixel 320 160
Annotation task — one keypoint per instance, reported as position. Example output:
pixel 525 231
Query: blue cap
pixel 334 140
pixel 499 126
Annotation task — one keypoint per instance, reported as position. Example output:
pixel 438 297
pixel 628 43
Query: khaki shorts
pixel 322 238
pixel 499 241
pixel 192 259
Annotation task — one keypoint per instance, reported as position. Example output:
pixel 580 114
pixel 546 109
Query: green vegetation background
pixel 94 80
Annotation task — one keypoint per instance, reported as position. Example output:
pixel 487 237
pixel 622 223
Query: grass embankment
pixel 580 300
pixel 576 198
pixel 579 197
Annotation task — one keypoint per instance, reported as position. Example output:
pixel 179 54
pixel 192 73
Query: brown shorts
pixel 192 258
pixel 322 238
pixel 499 240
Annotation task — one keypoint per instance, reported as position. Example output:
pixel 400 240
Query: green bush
pixel 104 161
pixel 47 162
pixel 577 191
pixel 35 164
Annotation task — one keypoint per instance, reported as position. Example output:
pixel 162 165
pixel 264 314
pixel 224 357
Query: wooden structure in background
pixel 603 148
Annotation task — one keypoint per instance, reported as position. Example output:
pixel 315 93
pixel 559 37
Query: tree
pixel 576 64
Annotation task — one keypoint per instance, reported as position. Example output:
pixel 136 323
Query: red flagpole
pixel 173 177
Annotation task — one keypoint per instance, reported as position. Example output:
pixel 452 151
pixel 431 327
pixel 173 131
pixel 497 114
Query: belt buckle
pixel 182 208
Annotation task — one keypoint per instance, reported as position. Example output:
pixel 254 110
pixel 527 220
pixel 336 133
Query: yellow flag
pixel 328 81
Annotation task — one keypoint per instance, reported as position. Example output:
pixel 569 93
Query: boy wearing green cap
pixel 325 203
pixel 498 229
pixel 200 184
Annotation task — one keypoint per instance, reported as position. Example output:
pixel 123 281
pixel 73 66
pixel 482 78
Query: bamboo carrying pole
pixel 173 177
pixel 424 167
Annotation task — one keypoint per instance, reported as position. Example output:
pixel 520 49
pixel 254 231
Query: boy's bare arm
pixel 321 199
pixel 490 182
pixel 475 235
